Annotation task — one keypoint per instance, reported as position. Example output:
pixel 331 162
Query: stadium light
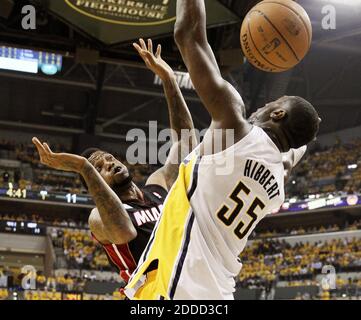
pixel 29 66
pixel 352 166
pixel 49 69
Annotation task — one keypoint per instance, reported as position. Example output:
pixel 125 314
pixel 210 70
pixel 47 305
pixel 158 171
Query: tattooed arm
pixel 183 135
pixel 119 228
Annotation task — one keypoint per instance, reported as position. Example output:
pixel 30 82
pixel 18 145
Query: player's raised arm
pixel 179 115
pixel 221 99
pixel 119 228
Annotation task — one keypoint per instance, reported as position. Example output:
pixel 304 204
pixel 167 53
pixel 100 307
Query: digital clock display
pixel 15 192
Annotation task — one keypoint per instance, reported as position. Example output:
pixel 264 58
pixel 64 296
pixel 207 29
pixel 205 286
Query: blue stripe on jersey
pixel 182 258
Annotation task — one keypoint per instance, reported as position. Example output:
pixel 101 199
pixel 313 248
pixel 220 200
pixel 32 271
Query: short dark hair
pixel 302 122
pixel 87 154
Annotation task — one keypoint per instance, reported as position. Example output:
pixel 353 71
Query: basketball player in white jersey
pixel 194 251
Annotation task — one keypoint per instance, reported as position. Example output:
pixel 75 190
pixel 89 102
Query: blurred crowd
pixel 54 295
pixel 356 225
pixel 324 170
pixel 53 287
pixel 266 262
pixel 328 170
pixel 82 224
pixel 33 175
pixel 80 250
pixel 46 220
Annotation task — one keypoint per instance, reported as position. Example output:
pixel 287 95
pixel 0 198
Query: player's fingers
pixel 36 141
pixel 142 53
pixel 137 47
pixel 41 154
pixel 150 46
pixel 142 44
pixel 149 56
pixel 38 146
pixel 159 51
pixel 47 148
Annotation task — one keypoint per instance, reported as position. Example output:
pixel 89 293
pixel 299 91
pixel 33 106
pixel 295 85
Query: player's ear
pixel 278 114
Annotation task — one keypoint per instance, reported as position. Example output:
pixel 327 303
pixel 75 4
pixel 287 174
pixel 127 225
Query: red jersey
pixel 144 216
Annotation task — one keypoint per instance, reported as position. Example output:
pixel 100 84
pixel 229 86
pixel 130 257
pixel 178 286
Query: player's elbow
pixel 95 224
pixel 123 235
pixel 113 233
pixel 188 32
pixel 131 233
pixel 179 34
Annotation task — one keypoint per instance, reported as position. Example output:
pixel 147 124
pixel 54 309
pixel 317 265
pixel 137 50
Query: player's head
pixel 291 122
pixel 114 172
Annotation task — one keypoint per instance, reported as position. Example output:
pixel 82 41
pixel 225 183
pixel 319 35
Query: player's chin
pixel 122 180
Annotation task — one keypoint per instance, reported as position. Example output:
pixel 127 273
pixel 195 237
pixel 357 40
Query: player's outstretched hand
pixel 153 61
pixel 59 161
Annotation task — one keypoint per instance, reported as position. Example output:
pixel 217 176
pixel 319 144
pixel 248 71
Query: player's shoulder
pixel 155 192
pixel 266 147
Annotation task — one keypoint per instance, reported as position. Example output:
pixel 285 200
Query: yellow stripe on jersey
pixel 168 241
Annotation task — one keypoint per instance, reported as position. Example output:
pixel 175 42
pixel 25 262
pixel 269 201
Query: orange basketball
pixel 276 35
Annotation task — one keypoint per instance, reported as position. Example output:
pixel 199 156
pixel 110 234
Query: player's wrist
pixel 168 77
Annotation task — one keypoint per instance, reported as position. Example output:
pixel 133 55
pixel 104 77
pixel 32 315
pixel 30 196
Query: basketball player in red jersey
pixel 125 215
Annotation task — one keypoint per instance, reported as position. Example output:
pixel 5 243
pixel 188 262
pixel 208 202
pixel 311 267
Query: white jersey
pixel 207 218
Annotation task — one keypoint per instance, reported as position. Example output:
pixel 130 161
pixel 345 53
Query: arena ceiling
pixel 114 92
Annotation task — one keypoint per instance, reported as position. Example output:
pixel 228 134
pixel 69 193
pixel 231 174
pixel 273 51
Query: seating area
pixel 38 177
pixel 327 170
pixel 62 285
pixel 54 295
pixel 267 263
pixel 4 294
pixel 336 169
pixel 355 225
pixel 81 250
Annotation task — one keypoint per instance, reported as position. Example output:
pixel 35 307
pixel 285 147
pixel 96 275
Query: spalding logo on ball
pixel 276 35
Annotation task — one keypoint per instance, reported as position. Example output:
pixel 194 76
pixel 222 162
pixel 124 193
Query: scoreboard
pixel 22 227
pixel 30 61
pixel 15 192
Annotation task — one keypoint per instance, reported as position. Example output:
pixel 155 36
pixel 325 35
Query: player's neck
pixel 133 193
pixel 274 135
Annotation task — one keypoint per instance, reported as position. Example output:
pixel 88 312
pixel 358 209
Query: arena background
pixel 310 249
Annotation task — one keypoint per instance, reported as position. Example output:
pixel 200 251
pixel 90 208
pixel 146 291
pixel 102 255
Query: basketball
pixel 276 35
